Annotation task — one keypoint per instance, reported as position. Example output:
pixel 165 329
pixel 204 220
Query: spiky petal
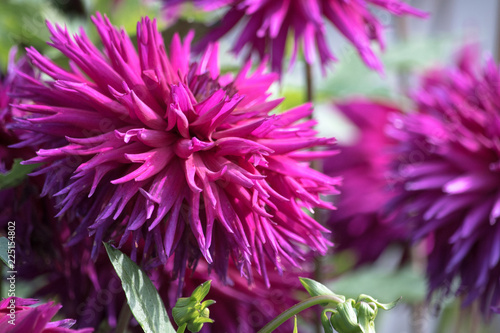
pixel 17 315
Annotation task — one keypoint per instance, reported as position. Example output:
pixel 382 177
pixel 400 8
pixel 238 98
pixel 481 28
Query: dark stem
pixel 459 323
pixel 124 318
pixel 418 310
pixel 441 16
pixel 417 317
pixel 309 83
pixel 297 308
pixel 475 320
pixel 316 165
pixel 401 25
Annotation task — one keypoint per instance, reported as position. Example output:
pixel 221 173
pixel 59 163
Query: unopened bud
pixel 190 311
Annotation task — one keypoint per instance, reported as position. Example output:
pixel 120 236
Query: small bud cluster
pixel 191 312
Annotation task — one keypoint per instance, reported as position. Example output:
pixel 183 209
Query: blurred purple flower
pixel 20 204
pixel 33 319
pixel 268 24
pixel 360 224
pixel 8 81
pixel 89 291
pixel 145 145
pixel 448 172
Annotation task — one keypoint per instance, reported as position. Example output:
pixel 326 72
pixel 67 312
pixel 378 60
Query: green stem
pixel 123 318
pixel 299 307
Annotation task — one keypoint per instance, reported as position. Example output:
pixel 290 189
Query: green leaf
pixel 385 306
pixel 295 327
pixel 142 296
pixel 16 175
pixel 182 328
pixel 4 245
pixel 314 288
pixel 202 291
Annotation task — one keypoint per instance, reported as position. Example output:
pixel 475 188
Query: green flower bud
pixel 345 318
pixel 366 317
pixel 191 312
pixel 355 316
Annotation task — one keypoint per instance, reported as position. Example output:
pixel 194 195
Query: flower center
pixel 186 147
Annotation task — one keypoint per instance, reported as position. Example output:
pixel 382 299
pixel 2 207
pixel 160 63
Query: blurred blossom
pixel 146 145
pixel 8 81
pixel 267 25
pixel 19 203
pixel 361 223
pixel 89 291
pixel 448 173
pixel 17 315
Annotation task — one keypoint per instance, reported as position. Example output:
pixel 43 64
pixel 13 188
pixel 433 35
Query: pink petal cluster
pixel 361 223
pixel 449 176
pixel 267 25
pixel 148 145
pixel 17 315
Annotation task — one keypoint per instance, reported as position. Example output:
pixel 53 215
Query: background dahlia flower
pixel 8 137
pixel 361 223
pixel 33 319
pixel 19 201
pixel 448 171
pixel 90 291
pixel 148 145
pixel 268 24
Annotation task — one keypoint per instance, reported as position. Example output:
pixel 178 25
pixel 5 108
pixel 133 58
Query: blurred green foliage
pixel 382 283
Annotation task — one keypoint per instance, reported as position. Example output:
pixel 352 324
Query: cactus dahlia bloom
pixel 148 145
pixel 18 316
pixel 448 171
pixel 361 224
pixel 267 25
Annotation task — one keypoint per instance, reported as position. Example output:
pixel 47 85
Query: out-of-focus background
pixel 412 46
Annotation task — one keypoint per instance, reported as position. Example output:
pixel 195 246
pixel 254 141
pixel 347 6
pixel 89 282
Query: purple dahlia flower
pixel 18 316
pixel 448 172
pixel 267 25
pixel 361 224
pixel 148 145
pixel 90 291
pixel 239 307
pixel 19 203
pixel 8 81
